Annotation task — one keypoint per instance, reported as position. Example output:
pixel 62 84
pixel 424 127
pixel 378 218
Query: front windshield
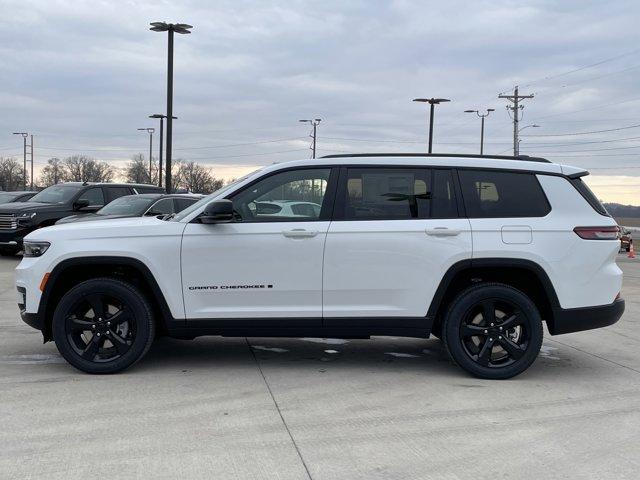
pixel 133 205
pixel 56 194
pixel 203 201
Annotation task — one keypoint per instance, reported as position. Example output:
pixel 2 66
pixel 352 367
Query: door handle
pixel 300 233
pixel 442 232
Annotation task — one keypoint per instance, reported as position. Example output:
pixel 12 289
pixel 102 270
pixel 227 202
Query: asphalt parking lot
pixel 386 408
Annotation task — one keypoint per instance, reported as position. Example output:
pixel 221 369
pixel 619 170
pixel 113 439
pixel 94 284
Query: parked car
pixel 45 208
pixel 626 239
pixel 146 204
pixel 459 246
pixel 287 208
pixel 18 196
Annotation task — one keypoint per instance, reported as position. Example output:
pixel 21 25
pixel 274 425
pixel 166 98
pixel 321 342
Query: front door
pixel 267 263
pixel 396 231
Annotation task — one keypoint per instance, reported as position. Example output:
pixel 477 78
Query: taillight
pixel 597 233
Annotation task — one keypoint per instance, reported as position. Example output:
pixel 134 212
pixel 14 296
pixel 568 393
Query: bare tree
pixel 11 174
pixel 80 168
pixel 196 178
pixel 52 173
pixel 137 170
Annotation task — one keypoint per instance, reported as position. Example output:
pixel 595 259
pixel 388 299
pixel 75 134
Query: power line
pixel 582 133
pixel 590 108
pixel 591 65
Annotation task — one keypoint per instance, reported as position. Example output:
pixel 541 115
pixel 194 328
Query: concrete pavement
pixel 386 408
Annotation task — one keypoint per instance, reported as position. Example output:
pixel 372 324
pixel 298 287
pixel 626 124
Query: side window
pixel 275 198
pixel 94 196
pixel 387 193
pixel 117 192
pixel 182 203
pixel 161 207
pixel 492 194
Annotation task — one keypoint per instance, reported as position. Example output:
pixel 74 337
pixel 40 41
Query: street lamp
pixel 181 28
pixel 24 142
pixel 432 102
pixel 150 132
pixel 482 117
pixel 315 122
pixel 161 117
pixel 533 125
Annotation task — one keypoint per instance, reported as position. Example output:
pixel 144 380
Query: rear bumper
pixel 578 319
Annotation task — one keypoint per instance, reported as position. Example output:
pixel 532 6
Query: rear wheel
pixel 493 331
pixel 103 325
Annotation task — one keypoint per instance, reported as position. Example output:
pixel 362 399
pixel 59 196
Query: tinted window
pixel 133 205
pixel 117 192
pixel 399 193
pixel 270 199
pixel 94 196
pixel 182 203
pixel 589 196
pixel 56 194
pixel 149 189
pixel 491 194
pixel 161 207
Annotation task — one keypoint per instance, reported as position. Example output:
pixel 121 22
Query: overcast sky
pixel 82 76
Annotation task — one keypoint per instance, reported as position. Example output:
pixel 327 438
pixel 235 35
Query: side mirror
pixel 80 204
pixel 220 211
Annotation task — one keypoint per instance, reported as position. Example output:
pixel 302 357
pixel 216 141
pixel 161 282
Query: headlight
pixel 35 249
pixel 26 218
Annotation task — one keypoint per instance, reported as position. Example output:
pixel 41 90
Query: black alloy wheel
pixel 103 325
pixel 493 331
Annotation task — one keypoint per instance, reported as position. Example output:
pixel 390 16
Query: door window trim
pixel 328 201
pixel 340 202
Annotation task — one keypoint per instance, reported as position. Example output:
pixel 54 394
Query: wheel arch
pixel 72 271
pixel 525 275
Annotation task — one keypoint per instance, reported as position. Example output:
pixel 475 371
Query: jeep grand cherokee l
pixel 478 251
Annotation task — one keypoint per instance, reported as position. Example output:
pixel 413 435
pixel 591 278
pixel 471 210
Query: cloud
pixel 84 75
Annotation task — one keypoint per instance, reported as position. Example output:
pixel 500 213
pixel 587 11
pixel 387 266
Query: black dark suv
pixel 45 208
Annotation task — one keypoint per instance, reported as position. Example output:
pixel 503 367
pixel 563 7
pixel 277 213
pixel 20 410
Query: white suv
pixel 475 250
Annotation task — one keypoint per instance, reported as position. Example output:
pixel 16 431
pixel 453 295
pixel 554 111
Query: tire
pixel 501 346
pixel 119 337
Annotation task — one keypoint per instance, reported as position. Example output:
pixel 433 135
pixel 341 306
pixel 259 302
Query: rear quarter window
pixel 494 194
pixel 589 196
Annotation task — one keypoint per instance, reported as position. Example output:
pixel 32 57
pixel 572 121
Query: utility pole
pixel 515 108
pixel 315 122
pixel 31 148
pixel 482 117
pixel 150 132
pixel 24 168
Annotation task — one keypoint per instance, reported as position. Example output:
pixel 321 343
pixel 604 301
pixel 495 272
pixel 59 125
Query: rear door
pixel 395 233
pixel 114 192
pixel 507 211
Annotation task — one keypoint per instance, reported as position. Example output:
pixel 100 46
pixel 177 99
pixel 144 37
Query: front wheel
pixel 493 331
pixel 103 325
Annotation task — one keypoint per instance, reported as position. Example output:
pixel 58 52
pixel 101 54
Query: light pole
pixel 181 28
pixel 482 117
pixel 161 117
pixel 432 102
pixel 533 125
pixel 24 168
pixel 315 122
pixel 150 132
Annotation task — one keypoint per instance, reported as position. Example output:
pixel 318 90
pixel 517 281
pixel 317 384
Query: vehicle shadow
pixel 378 354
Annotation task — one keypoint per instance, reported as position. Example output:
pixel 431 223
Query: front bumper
pixel 13 238
pixel 578 319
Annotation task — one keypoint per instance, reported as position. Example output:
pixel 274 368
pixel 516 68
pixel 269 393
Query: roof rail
pixel 526 158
